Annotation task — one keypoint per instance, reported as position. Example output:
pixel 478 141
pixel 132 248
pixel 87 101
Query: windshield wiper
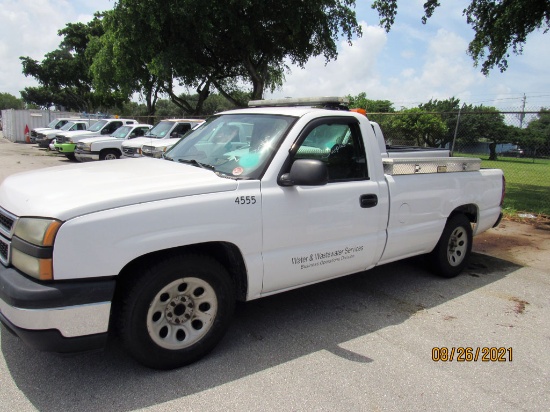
pixel 198 164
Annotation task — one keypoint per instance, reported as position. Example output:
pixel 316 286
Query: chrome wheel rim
pixel 182 313
pixel 457 247
pixel 110 156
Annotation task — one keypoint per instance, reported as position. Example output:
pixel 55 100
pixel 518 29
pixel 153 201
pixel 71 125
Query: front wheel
pixel 177 311
pixel 453 250
pixel 109 155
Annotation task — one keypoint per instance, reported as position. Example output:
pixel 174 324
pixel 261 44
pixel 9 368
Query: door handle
pixel 367 201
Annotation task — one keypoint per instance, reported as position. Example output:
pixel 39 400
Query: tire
pixel 71 156
pixel 109 155
pixel 453 250
pixel 176 311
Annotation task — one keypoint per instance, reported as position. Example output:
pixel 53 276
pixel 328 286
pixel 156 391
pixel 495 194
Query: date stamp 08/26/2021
pixel 471 354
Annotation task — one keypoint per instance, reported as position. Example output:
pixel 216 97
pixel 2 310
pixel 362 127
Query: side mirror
pixel 305 172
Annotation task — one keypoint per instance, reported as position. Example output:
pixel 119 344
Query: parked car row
pixel 160 138
pixel 110 139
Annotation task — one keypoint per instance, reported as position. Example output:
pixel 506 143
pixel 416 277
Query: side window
pixel 340 146
pixel 80 126
pixel 113 126
pixel 140 131
pixel 181 128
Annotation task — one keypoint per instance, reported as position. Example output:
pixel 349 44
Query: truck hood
pixel 75 133
pixel 140 141
pixel 100 139
pixel 64 192
pixel 161 142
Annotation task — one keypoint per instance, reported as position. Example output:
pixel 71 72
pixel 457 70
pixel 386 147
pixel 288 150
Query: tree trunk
pixel 493 151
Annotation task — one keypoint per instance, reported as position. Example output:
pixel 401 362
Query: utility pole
pixel 522 114
pixel 456 127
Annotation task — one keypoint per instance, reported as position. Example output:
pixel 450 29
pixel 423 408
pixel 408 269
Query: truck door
pixel 312 233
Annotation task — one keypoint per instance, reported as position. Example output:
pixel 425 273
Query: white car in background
pixel 108 147
pixel 166 133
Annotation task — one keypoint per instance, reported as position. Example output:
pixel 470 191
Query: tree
pixel 498 25
pixel 421 128
pixel 371 106
pixel 120 64
pixel 448 109
pixel 209 43
pixel 9 101
pixel 64 75
pixel 536 137
pixel 482 123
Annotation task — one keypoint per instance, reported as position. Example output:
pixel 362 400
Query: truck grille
pixel 148 151
pixel 33 133
pixel 4 251
pixel 130 151
pixel 7 223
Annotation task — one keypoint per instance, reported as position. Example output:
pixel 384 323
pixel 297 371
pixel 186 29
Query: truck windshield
pixel 67 126
pixel 235 145
pixel 97 126
pixel 52 124
pixel 121 132
pixel 160 130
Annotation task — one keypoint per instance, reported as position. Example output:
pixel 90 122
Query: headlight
pixel 39 232
pixel 32 254
pixel 85 146
pixel 70 140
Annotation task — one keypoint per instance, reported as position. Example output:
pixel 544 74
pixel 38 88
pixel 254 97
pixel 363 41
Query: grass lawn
pixel 527 183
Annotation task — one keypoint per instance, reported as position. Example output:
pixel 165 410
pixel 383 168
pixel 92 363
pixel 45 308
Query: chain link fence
pixel 503 140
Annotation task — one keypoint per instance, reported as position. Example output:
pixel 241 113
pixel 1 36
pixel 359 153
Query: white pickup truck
pixel 254 202
pixel 108 147
pixel 53 125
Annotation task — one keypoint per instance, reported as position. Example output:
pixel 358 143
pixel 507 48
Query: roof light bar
pixel 301 101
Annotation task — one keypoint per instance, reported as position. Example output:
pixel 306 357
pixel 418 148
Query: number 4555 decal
pixel 245 200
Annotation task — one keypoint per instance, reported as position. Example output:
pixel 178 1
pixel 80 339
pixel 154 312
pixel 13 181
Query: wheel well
pixel 110 149
pixel 226 253
pixel 470 211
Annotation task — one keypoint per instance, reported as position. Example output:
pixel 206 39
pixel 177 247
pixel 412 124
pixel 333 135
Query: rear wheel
pixel 453 250
pixel 109 155
pixel 177 311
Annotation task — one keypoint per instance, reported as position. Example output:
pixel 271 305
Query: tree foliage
pixel 422 128
pixel 536 137
pixel 64 75
pixel 208 43
pixel 371 106
pixel 499 26
pixel 9 101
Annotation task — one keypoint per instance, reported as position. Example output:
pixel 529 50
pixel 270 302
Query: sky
pixel 408 66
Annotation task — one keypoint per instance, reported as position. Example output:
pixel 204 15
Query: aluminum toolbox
pixel 411 166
